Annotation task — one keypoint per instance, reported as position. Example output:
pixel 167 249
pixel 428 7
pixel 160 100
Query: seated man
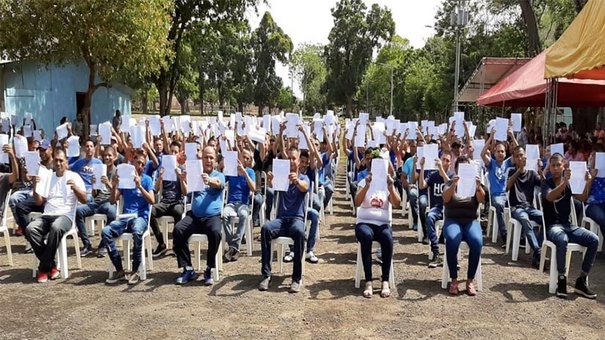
pixel 521 184
pixel 556 204
pixel 137 204
pixel 435 183
pixel 204 218
pixel 289 222
pixel 238 204
pixel 66 190
pixel 100 203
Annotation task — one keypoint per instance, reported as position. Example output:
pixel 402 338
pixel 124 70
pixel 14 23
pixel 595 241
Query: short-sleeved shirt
pixel 103 195
pixel 83 167
pixel 134 201
pixel 210 201
pixel 375 206
pixel 497 176
pixel 171 191
pixel 239 191
pixel 597 191
pixel 558 211
pixel 361 175
pixel 521 194
pixel 61 198
pixel 291 204
pixel 435 185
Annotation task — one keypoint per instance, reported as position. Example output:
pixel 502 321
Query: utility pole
pixel 392 68
pixel 458 20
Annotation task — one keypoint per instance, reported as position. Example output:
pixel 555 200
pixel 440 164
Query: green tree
pixel 270 44
pixel 357 32
pixel 110 37
pixel 309 70
pixel 286 99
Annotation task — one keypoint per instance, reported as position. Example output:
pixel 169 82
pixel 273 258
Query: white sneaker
pixel 289 257
pixel 311 257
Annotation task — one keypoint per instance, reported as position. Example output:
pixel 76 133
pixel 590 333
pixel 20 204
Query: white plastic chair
pixel 445 275
pixel 546 244
pixel 92 220
pixel 4 229
pixel 359 267
pixel 515 228
pixel 263 207
pixel 234 220
pixel 492 219
pixel 593 226
pixel 198 239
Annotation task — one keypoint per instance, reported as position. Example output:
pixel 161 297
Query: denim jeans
pixel 499 202
pixel 242 211
pixel 24 208
pixel 597 213
pixel 89 209
pixel 135 225
pixel 455 233
pixel 53 226
pixel 329 191
pixel 18 197
pixel 383 234
pixel 524 215
pixel 258 201
pixel 418 204
pixel 269 203
pixel 191 224
pixel 293 228
pixel 562 234
pixel 434 215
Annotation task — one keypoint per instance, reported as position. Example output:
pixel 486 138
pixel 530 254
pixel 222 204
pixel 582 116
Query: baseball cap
pixel 44 144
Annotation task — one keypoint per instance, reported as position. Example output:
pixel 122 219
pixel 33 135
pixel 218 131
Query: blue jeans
pixel 269 203
pixel 328 190
pixel 293 228
pixel 524 215
pixel 434 215
pixel 499 202
pixel 242 211
pixel 135 225
pixel 23 204
pixel 597 213
pixel 258 201
pixel 89 209
pixel 18 197
pixel 561 235
pixel 455 233
pixel 418 206
pixel 383 234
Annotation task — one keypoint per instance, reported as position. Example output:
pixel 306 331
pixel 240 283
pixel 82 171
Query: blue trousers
pixel 135 225
pixel 524 215
pixel 434 215
pixel 418 205
pixel 562 234
pixel 455 233
pixel 293 228
pixel 597 213
pixel 499 202
pixel 383 234
pixel 89 209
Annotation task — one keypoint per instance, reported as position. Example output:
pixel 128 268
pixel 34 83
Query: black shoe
pixel 582 289
pixel 562 287
pixel 86 250
pixel 102 252
pixel 235 255
pixel 228 255
pixel 425 241
pixel 535 263
pixel 160 250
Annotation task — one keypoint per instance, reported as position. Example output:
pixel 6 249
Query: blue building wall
pixel 49 93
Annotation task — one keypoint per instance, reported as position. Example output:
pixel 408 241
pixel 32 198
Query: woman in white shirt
pixel 374 199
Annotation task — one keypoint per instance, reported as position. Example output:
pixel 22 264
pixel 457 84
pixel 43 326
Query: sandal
pixel 385 292
pixel 369 290
pixel 470 289
pixel 454 287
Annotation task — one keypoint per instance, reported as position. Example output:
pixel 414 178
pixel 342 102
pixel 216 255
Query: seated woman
pixel 461 224
pixel 374 215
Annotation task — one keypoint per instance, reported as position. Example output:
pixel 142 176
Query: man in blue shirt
pixel 137 204
pixel 238 203
pixel 204 218
pixel 289 222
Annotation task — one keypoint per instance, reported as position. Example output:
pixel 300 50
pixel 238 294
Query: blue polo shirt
pixel 497 176
pixel 210 201
pixel 83 167
pixel 239 191
pixel 135 202
pixel 291 204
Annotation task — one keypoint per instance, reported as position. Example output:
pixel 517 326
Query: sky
pixel 310 21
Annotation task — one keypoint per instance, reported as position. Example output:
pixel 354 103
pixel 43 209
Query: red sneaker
pixel 54 273
pixel 42 277
pixel 19 232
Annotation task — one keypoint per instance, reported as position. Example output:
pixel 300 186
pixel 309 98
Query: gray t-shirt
pixel 103 195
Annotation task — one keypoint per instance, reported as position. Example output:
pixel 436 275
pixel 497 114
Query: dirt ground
pixel 515 303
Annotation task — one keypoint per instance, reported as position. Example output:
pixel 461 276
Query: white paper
pixel 62 131
pixel 372 143
pixel 98 171
pixel 379 128
pixel 501 129
pixel 291 125
pixel 302 141
pixel 27 131
pixel 6 125
pixel 169 164
pixel 28 118
pixel 230 163
pixel 126 173
pixel 43 186
pixel 491 125
pixel 577 182
pixel 599 164
pixel 467 184
pixel 459 119
pixel 137 136
pixel 431 153
pixel 155 127
pixel 105 133
pixel 516 119
pixel 194 176
pixel 472 129
pixel 4 159
pixel 73 146
pixel 360 137
pixel 94 130
pixel 167 124
pixel 478 145
pixel 532 154
pixel 281 173
pixel 38 135
pixel 442 128
pixel 267 122
pixel 412 126
pixel 20 146
pixel 557 148
pixel 185 120
pixel 379 174
pixel 419 155
pixel 126 123
pixel 32 162
pixel 258 135
pixel 275 124
pixel 364 118
pixel 403 127
pixel 434 131
pixel 191 151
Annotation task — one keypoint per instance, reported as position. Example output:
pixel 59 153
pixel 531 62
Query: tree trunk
pixel 201 89
pixel 144 100
pixel 580 4
pixel 531 28
pixel 349 106
pixel 163 96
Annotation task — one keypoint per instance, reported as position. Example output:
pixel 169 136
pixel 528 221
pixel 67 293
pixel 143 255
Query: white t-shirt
pixel 61 199
pixel 375 208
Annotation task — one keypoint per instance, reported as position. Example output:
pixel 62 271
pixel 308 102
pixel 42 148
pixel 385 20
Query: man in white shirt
pixel 66 189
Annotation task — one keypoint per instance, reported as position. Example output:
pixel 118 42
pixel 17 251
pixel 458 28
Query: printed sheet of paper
pixel 105 133
pixel 267 122
pixel 194 176
pixel 501 129
pixel 275 124
pixel 472 129
pixel 431 153
pixel 62 131
pixel 412 126
pixel 364 118
pixel 167 124
pixel 169 164
pixel 281 173
pixel 155 127
pixel 43 186
pixel 379 128
pixel 578 177
pixel 599 164
pixel 191 151
pixel 419 155
pixel 516 118
pixel 20 146
pixel 478 145
pixel 467 184
pixel 73 146
pixel 360 137
pixel 32 162
pixel 380 168
pixel 126 173
pixel 4 158
pixel 302 141
pixel 532 153
pixel 98 171
pixel 557 148
pixel 258 135
pixel 459 119
pixel 230 161
pixel 291 125
pixel 94 130
pixel 137 134
pixel 38 135
pixel 27 131
pixel 185 124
